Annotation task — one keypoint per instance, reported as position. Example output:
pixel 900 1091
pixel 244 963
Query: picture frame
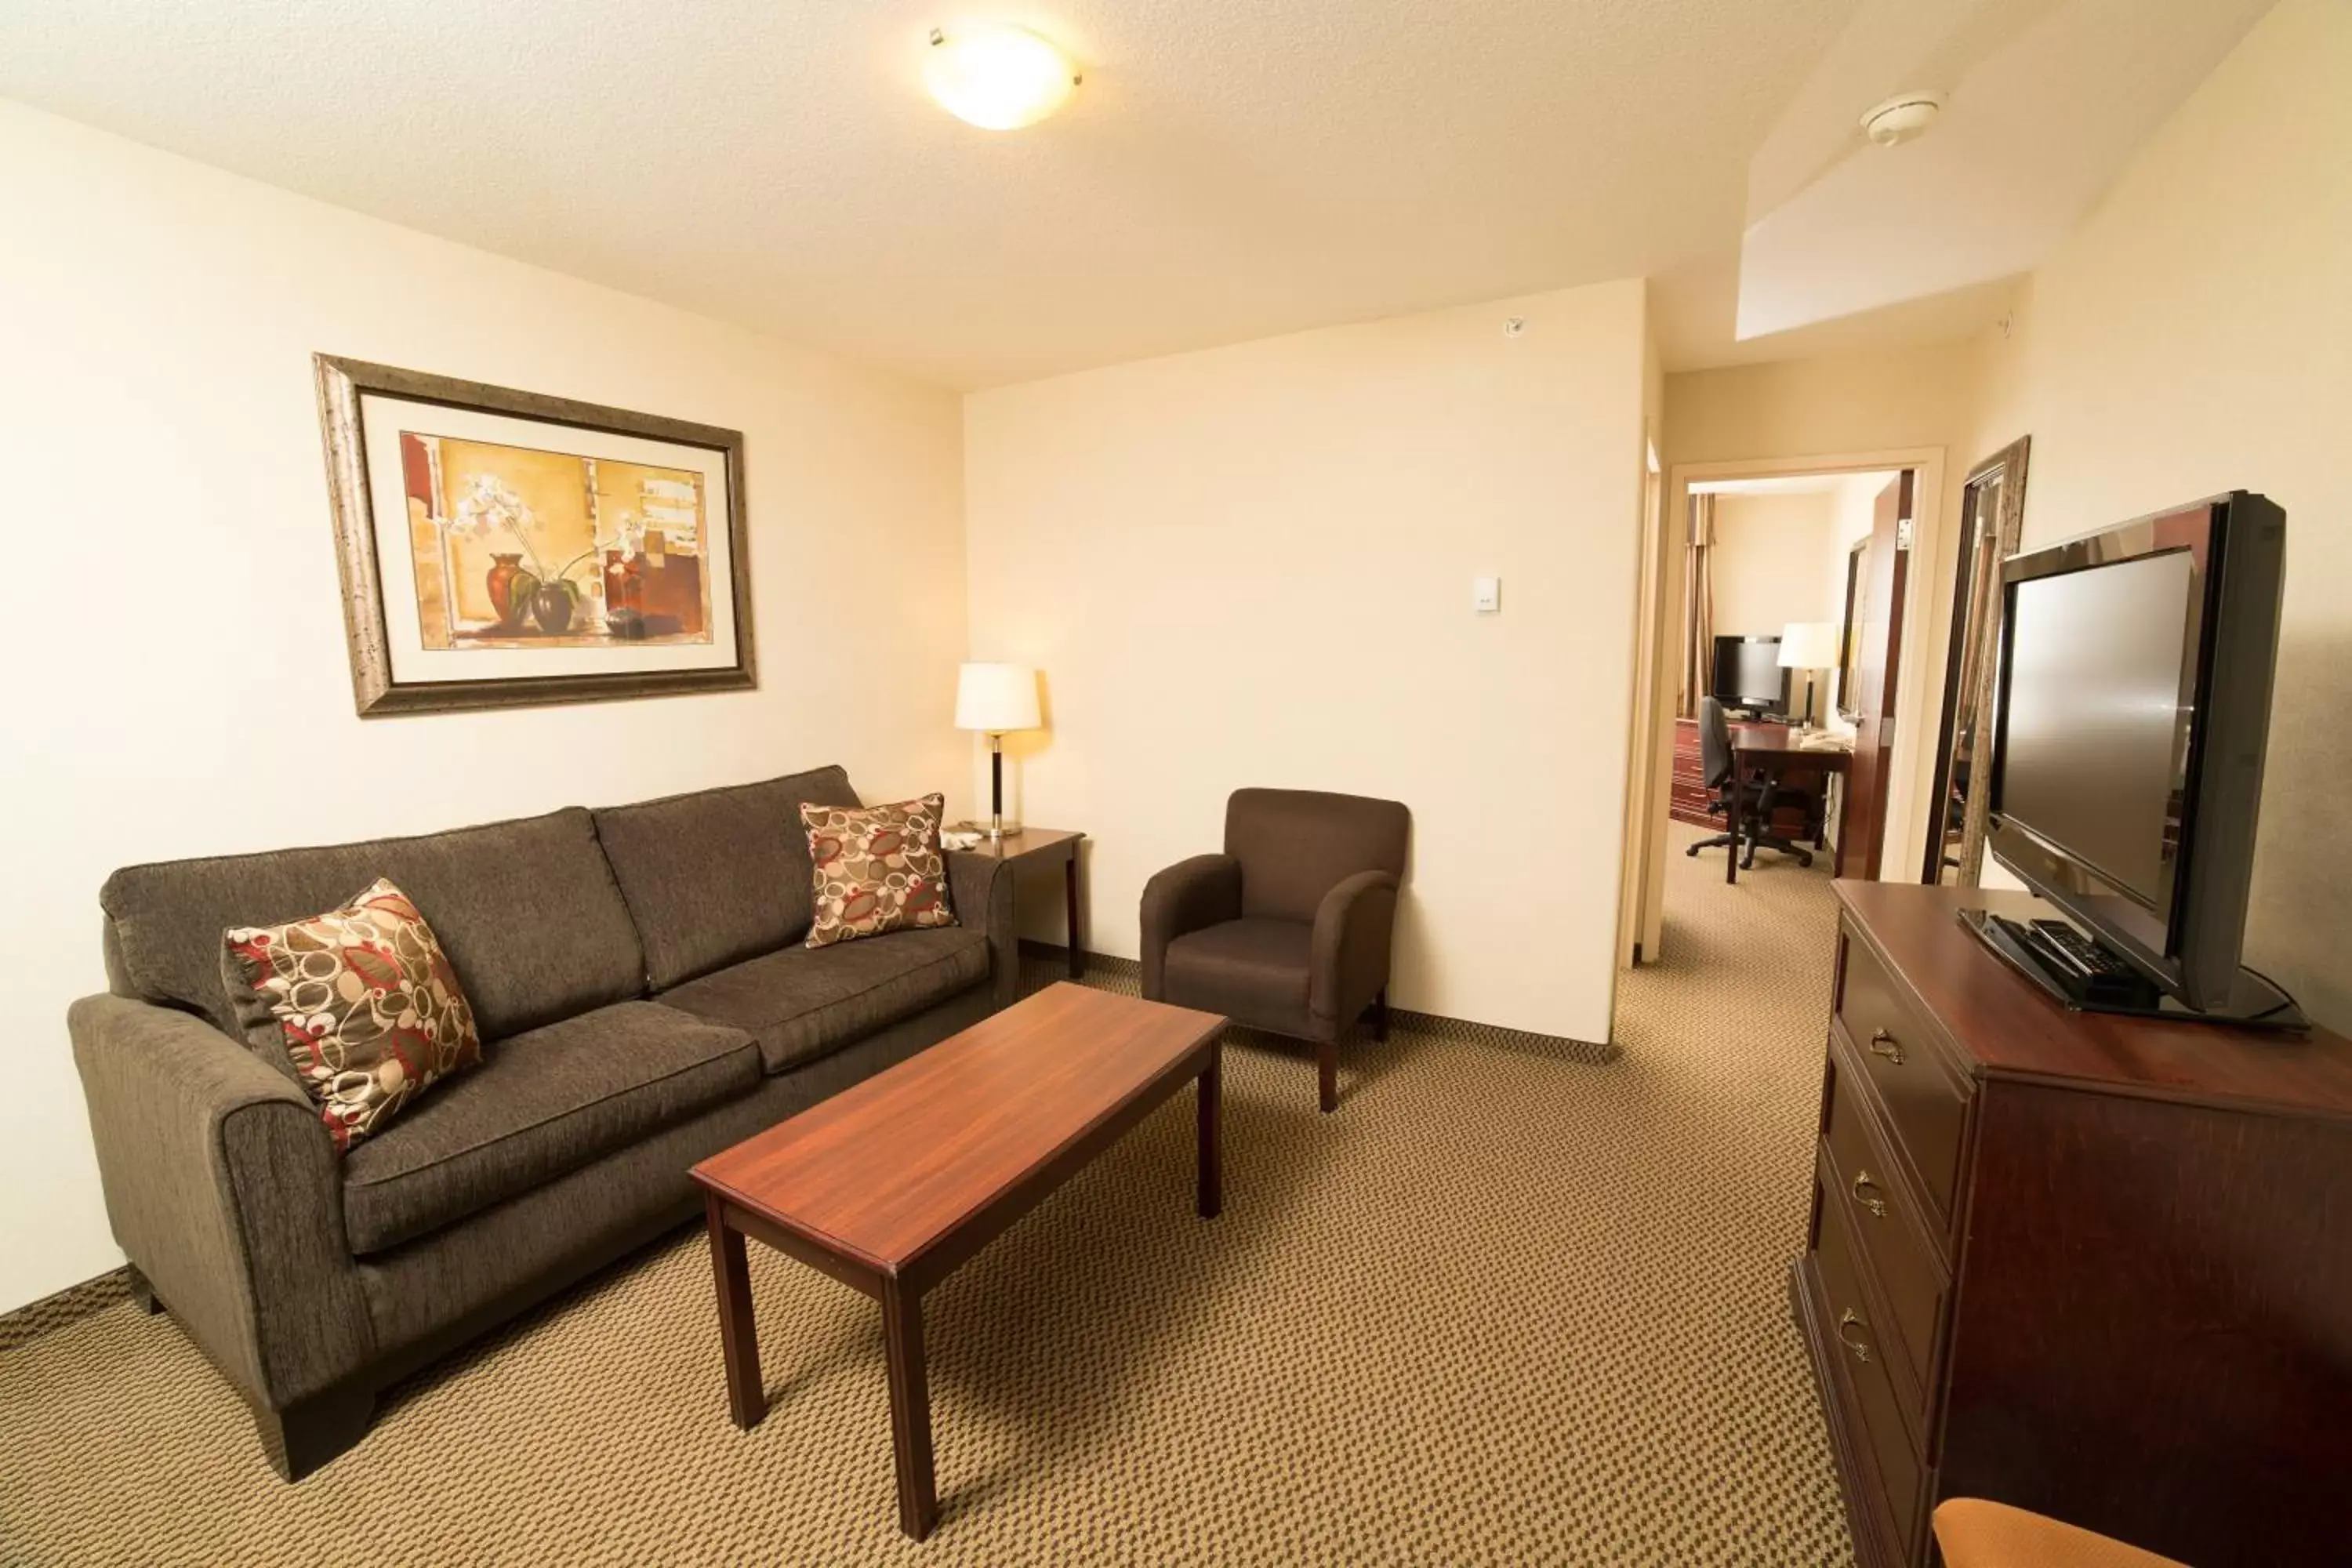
pixel 504 548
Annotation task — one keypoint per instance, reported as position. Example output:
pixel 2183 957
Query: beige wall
pixel 2195 335
pixel 1854 512
pixel 1768 562
pixel 185 688
pixel 1252 566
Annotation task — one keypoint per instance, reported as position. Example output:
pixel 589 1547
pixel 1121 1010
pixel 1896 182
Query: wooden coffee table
pixel 891 1183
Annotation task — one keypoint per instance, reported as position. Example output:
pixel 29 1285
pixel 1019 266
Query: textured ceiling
pixel 1231 168
pixel 2048 100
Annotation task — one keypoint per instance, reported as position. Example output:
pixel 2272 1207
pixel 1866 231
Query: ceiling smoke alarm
pixel 1902 118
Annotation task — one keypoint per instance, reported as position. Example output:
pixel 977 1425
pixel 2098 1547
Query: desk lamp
pixel 994 699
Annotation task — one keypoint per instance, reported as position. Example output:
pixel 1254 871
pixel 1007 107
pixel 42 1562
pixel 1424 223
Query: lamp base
pixel 999 829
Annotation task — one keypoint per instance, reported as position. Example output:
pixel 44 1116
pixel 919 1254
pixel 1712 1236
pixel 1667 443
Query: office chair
pixel 1758 796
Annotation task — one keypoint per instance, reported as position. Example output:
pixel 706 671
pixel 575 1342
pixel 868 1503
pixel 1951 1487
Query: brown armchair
pixel 1287 930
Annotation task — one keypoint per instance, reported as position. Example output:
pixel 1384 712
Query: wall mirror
pixel 1849 683
pixel 1992 515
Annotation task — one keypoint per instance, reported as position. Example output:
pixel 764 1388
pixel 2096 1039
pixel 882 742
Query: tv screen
pixel 1748 672
pixel 2131 712
pixel 2098 726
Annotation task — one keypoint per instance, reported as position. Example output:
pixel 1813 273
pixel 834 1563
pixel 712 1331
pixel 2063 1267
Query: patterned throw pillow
pixel 878 868
pixel 359 1001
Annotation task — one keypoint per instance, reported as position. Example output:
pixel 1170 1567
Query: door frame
pixel 1650 668
pixel 1643 927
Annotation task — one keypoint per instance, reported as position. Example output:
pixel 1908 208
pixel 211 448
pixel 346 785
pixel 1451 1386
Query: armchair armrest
pixel 222 1185
pixel 1186 897
pixel 1348 952
pixel 979 891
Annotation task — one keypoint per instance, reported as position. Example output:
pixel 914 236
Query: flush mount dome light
pixel 1902 117
pixel 997 76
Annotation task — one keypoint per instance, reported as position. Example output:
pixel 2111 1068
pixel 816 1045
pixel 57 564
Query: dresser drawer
pixel 1902 1252
pixel 1857 1348
pixel 1924 1100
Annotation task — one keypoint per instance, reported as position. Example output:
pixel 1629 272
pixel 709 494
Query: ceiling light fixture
pixel 997 76
pixel 1901 118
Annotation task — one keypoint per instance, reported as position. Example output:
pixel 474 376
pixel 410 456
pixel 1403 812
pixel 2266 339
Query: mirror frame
pixel 1848 644
pixel 1976 633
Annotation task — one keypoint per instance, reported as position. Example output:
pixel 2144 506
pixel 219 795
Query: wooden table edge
pixel 1004 1207
pixel 923 1268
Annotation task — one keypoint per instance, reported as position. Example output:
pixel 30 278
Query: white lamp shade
pixel 1809 645
pixel 996 698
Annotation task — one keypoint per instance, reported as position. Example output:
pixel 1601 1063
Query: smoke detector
pixel 1902 118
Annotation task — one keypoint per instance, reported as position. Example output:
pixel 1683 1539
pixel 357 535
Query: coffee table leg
pixel 747 1400
pixel 910 1409
pixel 1211 1114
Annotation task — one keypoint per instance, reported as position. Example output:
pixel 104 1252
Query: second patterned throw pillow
pixel 877 868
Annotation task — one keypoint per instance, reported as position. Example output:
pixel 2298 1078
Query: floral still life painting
pixel 502 547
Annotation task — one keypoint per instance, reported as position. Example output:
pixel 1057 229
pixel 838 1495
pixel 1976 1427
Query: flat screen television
pixel 1747 674
pixel 2132 707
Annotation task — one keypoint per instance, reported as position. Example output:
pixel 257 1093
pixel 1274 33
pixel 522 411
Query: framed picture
pixel 501 548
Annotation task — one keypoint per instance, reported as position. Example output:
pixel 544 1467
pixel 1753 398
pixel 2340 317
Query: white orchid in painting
pixel 491 506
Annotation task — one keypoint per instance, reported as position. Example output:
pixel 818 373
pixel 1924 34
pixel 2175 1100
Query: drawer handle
pixel 1864 1187
pixel 1883 1044
pixel 1849 1319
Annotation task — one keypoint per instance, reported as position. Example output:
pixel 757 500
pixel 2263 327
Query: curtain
pixel 1698 606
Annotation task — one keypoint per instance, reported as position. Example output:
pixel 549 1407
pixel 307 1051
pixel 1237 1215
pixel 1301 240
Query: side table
pixel 1044 847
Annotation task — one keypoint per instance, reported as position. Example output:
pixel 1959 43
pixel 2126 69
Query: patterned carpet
pixel 1513 1303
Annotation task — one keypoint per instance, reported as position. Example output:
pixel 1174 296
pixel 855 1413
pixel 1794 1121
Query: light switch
pixel 1486 595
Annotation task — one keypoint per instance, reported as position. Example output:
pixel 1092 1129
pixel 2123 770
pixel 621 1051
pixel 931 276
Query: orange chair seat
pixel 1975 1533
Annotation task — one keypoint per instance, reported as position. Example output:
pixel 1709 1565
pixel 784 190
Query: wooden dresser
pixel 2099 1267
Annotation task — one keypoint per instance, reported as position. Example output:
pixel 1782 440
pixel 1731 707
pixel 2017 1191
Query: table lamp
pixel 994 699
pixel 1808 646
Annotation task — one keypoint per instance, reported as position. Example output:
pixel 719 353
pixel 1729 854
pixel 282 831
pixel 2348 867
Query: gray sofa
pixel 644 1002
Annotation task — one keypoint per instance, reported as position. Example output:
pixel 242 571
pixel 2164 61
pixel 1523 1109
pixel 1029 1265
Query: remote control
pixel 2080 967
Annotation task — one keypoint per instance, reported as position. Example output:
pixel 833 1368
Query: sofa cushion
pixel 804 1002
pixel 543 1103
pixel 1252 970
pixel 718 876
pixel 359 1004
pixel 526 910
pixel 877 869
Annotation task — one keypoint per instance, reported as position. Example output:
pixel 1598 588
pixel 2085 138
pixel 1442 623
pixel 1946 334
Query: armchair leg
pixel 1380 1014
pixel 1327 1073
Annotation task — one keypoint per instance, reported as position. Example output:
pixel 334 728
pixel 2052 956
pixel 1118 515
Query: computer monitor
pixel 1747 674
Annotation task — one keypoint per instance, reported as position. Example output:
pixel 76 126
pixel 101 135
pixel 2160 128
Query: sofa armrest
pixel 979 891
pixel 1348 954
pixel 222 1185
pixel 1188 896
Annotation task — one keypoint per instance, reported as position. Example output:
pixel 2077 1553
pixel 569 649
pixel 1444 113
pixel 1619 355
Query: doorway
pixel 1763 590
